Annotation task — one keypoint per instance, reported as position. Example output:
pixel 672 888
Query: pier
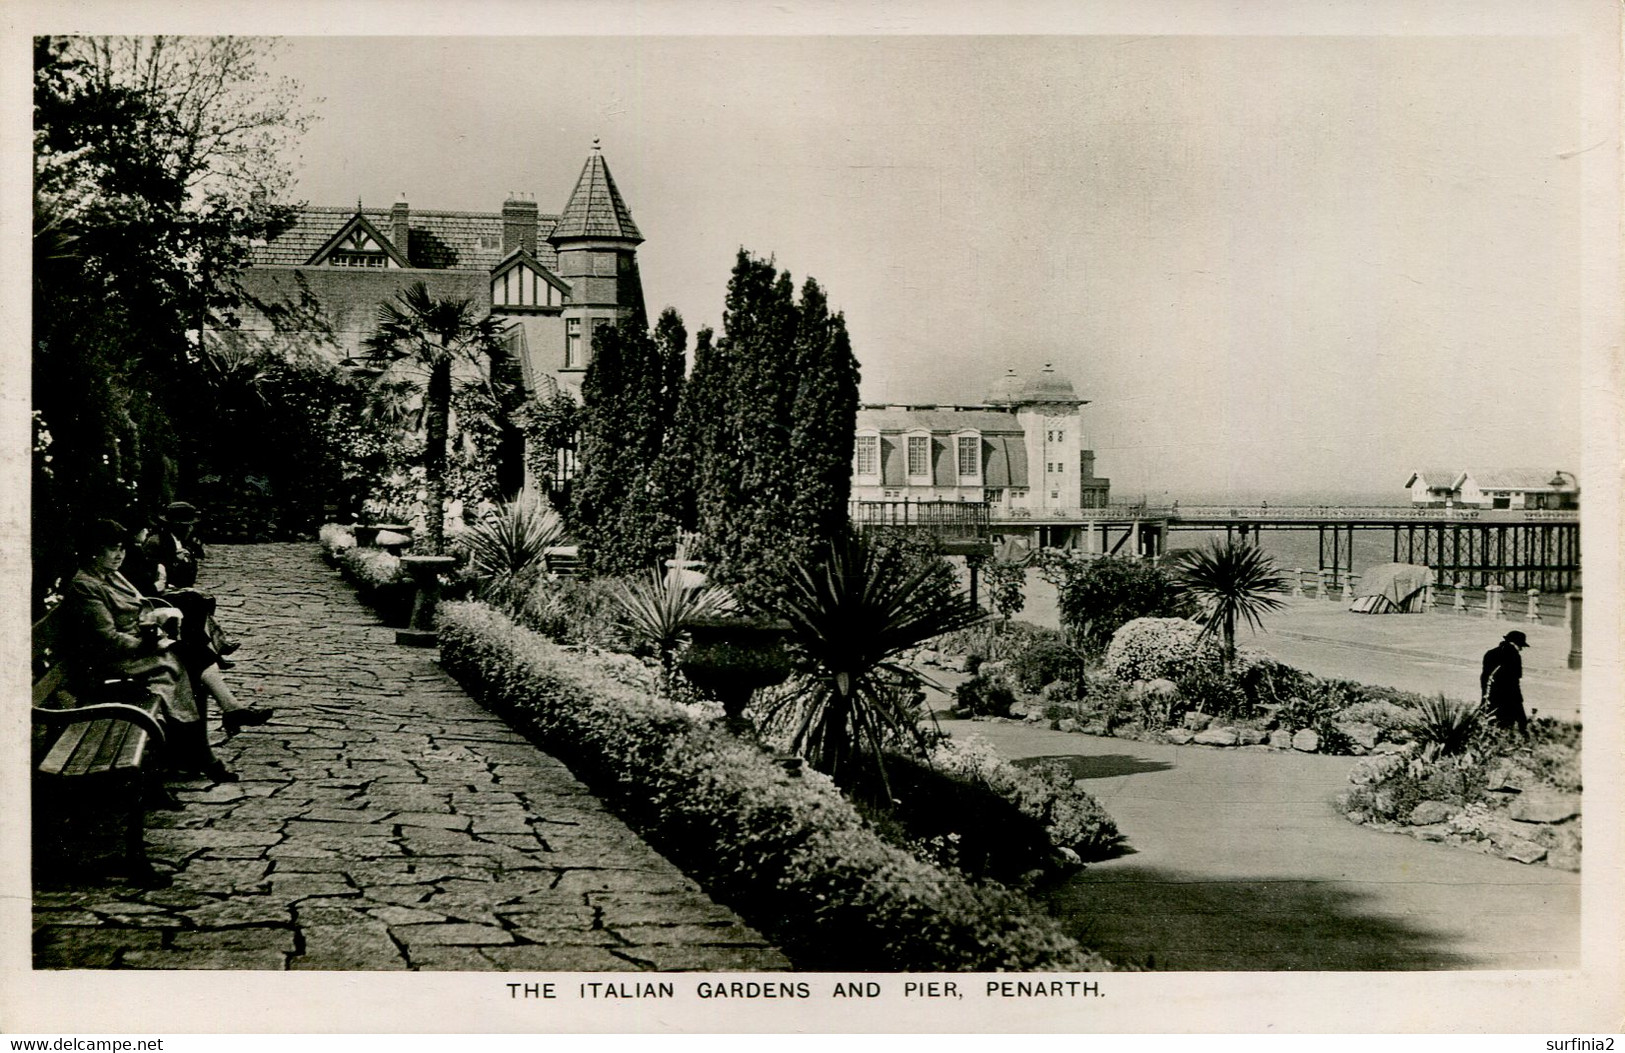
pixel 1518 549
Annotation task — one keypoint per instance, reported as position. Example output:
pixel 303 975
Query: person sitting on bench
pixel 113 631
pixel 204 645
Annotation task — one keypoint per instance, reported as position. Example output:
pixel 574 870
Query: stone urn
pixel 729 658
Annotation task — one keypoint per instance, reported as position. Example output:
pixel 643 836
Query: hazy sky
pixel 1271 263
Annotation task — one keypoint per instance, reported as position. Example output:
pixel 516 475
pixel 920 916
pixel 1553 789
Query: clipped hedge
pixel 789 854
pixel 380 581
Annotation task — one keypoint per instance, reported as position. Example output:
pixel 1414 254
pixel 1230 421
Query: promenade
pixel 384 821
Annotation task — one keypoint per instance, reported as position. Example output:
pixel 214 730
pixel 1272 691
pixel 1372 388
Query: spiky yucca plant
pixel 656 608
pixel 1444 727
pixel 1231 580
pixel 851 613
pixel 508 544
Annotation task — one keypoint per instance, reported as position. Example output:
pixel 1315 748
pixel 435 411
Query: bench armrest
pixel 59 718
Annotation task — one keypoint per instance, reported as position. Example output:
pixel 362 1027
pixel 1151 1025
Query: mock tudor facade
pixel 551 278
pixel 1022 450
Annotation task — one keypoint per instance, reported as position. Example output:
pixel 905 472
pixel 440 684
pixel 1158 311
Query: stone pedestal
pixel 425 572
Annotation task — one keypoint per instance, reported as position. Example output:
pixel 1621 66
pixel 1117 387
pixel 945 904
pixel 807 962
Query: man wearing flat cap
pixel 1499 683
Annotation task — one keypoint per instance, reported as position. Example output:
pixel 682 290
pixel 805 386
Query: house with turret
pixel 551 278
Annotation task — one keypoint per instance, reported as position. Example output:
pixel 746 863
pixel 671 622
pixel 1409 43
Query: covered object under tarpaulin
pixel 1390 588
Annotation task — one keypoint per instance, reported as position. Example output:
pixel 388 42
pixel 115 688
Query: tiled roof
pixel 596 209
pixel 439 240
pixel 1520 478
pixel 1435 478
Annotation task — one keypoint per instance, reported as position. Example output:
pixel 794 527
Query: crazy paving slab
pixel 384 821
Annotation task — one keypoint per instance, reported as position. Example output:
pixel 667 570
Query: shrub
pixel 335 540
pixel 1044 790
pixel 1099 597
pixel 1152 648
pixel 1044 660
pixel 983 696
pixel 1207 689
pixel 655 609
pixel 1319 712
pixel 789 854
pixel 380 581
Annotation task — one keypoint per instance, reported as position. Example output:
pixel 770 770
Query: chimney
pixel 400 231
pixel 1088 459
pixel 518 226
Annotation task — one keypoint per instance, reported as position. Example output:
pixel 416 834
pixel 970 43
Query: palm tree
pixel 1231 580
pixel 851 614
pixel 429 335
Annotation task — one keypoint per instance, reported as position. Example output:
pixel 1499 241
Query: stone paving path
pixel 384 821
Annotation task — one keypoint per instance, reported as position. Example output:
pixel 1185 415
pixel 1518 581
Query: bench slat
pixel 112 745
pixel 62 752
pixel 134 751
pixel 48 685
pixel 85 755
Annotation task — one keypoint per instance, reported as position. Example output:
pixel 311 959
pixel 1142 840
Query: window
pixel 1060 436
pixel 1055 495
pixel 572 344
pixel 919 455
pixel 970 457
pixel 867 455
pixel 358 259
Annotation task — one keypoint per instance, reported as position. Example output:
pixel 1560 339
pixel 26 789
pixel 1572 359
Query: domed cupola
pixel 1047 386
pixel 1003 392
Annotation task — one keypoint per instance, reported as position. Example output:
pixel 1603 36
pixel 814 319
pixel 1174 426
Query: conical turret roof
pixel 595 209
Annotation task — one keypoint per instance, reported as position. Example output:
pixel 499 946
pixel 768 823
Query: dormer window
pixel 358 249
pixel 969 458
pixel 919 459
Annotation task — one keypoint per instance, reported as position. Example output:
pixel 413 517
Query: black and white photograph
pixel 696 518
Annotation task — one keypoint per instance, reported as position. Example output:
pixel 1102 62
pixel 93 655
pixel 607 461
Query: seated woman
pixel 199 633
pixel 111 631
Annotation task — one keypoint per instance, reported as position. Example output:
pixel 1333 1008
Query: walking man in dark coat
pixel 1499 683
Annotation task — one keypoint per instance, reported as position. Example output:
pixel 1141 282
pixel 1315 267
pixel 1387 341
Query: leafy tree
pixel 424 337
pixel 155 162
pixel 852 612
pixel 1231 579
pixel 1100 596
pixel 629 401
pixel 820 455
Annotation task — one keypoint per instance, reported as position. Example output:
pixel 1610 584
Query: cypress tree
pixel 629 399
pixel 824 417
pixel 768 423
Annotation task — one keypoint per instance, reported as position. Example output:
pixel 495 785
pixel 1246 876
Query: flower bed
pixel 1517 799
pixel 789 854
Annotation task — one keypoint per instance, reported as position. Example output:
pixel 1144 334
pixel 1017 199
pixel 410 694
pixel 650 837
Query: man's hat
pixel 180 512
pixel 1517 637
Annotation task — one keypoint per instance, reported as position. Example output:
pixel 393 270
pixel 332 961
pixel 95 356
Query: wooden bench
pixel 91 763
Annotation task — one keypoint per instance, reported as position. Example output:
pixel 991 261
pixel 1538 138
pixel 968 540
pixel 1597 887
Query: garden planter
pixel 730 658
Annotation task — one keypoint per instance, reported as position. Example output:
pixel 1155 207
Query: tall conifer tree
pixel 768 423
pixel 629 399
